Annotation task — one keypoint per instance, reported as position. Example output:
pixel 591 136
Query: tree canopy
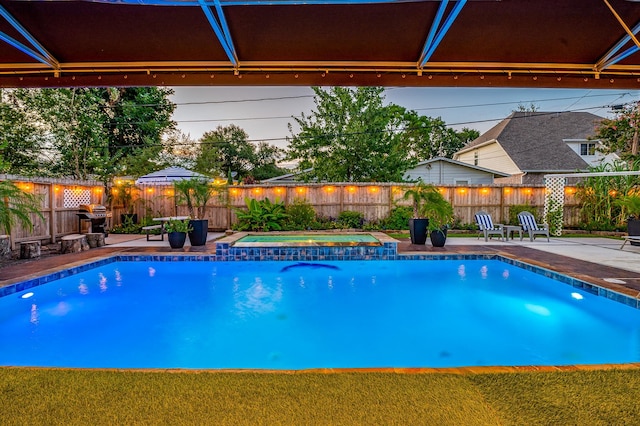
pixel 620 134
pixel 82 132
pixel 228 149
pixel 352 136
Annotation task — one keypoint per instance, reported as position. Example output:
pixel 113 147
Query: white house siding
pixel 490 156
pixel 441 172
pixel 592 160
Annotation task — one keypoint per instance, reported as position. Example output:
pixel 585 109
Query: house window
pixel 475 158
pixel 587 149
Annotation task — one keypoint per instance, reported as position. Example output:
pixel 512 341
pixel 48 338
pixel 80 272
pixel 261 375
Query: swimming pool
pixel 300 315
pixel 305 239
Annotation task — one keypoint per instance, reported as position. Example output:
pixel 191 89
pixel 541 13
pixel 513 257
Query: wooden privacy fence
pixel 375 201
pixel 59 200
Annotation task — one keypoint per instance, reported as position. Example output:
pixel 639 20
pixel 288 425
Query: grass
pixel 80 397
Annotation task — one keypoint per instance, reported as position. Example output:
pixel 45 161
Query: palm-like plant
pixel 196 193
pixel 437 209
pixel 16 206
pixel 418 195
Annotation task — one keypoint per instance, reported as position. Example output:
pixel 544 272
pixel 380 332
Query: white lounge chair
pixel 487 227
pixel 531 227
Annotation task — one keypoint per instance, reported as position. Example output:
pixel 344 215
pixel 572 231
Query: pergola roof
pixel 481 43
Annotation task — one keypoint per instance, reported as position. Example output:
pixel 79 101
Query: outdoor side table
pixel 510 229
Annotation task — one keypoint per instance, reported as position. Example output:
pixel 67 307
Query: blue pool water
pixel 297 315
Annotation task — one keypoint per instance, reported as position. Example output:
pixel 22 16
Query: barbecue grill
pixel 95 213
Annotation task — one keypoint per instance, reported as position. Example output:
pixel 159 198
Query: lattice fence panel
pixel 554 204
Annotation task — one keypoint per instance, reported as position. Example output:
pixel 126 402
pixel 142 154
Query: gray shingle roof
pixel 534 140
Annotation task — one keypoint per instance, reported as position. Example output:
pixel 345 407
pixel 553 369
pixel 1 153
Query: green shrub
pixel 324 222
pixel 301 215
pixel 398 218
pixel 350 219
pixel 261 216
pixel 127 227
pixel 518 208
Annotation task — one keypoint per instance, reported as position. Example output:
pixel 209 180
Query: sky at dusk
pixel 264 112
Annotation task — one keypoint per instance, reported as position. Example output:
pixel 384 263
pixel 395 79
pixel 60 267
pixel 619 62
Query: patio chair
pixel 487 227
pixel 531 227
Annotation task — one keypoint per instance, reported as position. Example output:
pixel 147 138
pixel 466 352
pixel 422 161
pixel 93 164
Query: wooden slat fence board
pixel 375 201
pixel 58 220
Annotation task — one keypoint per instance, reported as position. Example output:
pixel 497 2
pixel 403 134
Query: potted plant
pixel 440 214
pixel 177 232
pixel 123 195
pixel 195 193
pixel 419 224
pixel 631 203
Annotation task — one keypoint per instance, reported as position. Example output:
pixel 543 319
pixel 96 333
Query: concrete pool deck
pixel 597 260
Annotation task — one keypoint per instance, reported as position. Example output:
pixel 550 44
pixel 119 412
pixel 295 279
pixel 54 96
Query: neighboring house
pixel 445 171
pixel 287 178
pixel 528 145
pixel 588 151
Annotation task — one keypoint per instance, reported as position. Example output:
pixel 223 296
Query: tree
pixel 21 140
pixel 266 162
pixel 179 150
pixel 620 134
pixel 430 137
pixel 353 137
pixel 227 149
pixel 223 149
pixel 93 131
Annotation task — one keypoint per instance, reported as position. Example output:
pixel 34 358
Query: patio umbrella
pixel 168 176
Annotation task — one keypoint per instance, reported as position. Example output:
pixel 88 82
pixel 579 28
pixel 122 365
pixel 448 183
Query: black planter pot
pixel 198 235
pixel 438 237
pixel 418 230
pixel 177 239
pixel 129 216
pixel 633 229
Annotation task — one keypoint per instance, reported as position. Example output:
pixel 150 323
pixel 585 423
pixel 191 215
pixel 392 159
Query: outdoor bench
pixel 147 230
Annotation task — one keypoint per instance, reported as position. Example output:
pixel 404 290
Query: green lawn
pixel 77 397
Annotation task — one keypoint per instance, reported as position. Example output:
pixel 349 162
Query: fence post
pixel 53 212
